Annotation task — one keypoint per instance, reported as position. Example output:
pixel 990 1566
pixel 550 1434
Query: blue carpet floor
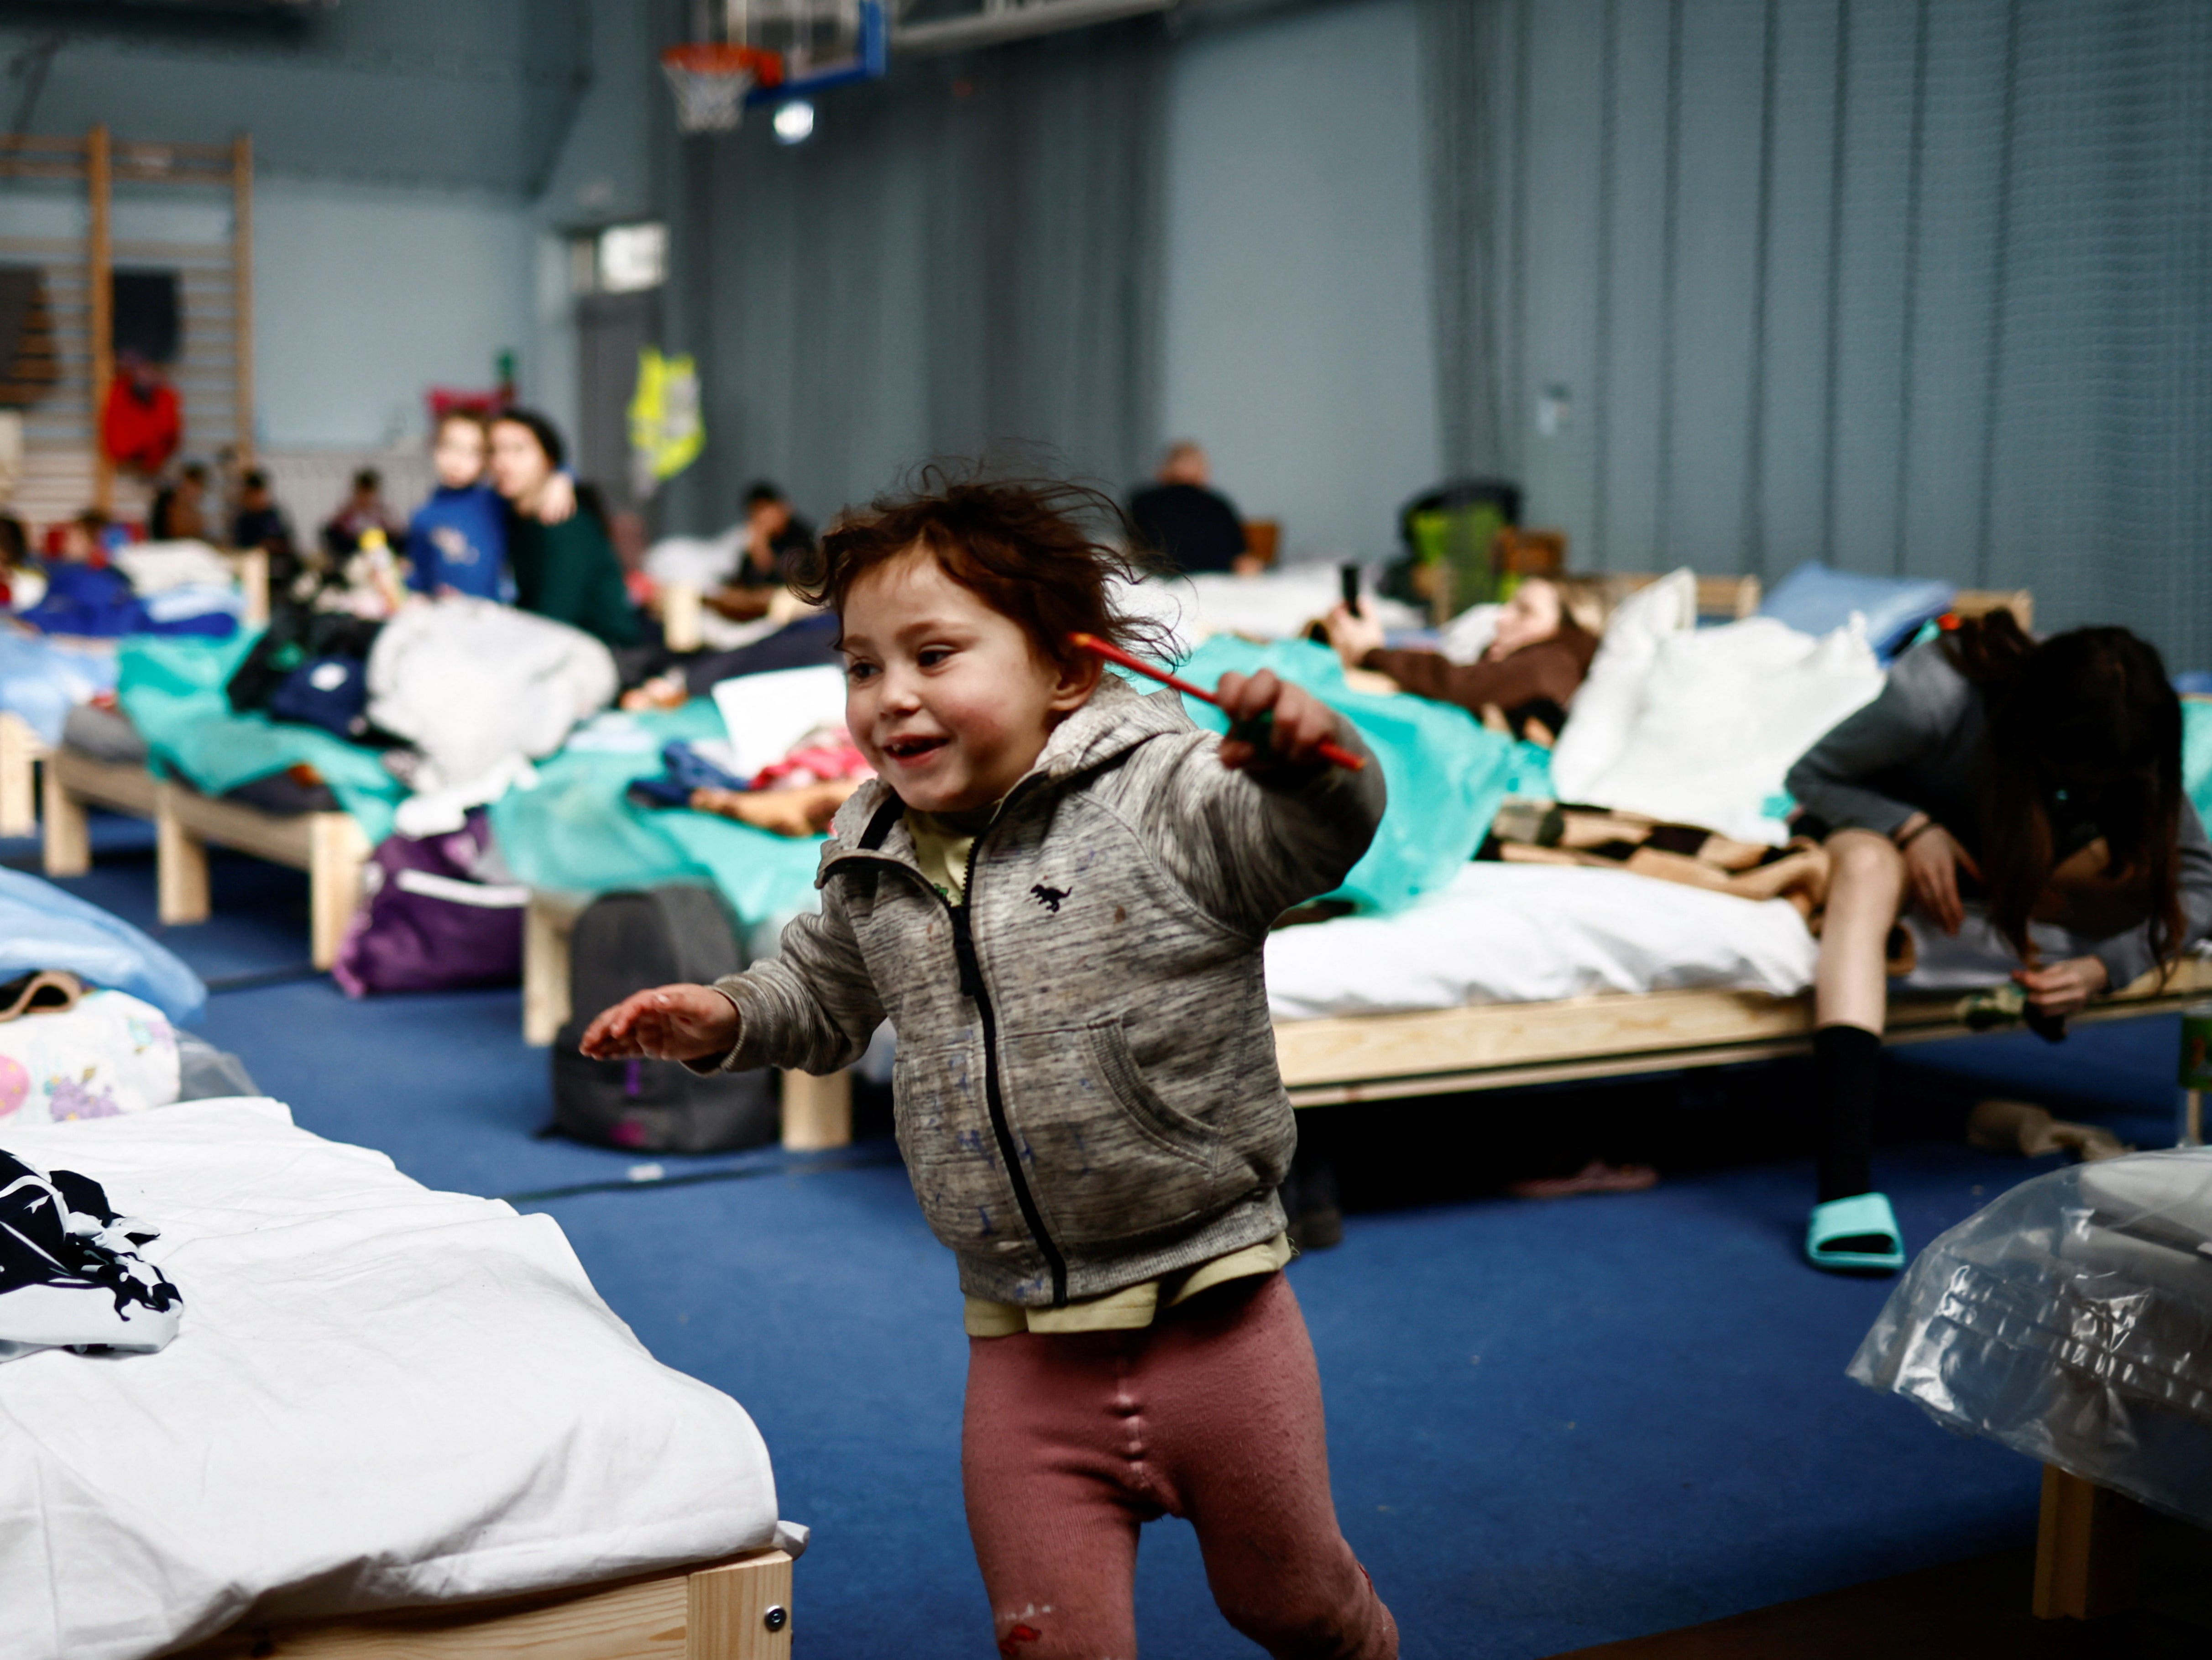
pixel 1550 1425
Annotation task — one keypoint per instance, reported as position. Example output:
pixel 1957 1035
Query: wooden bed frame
pixel 20 752
pixel 739 1610
pixel 329 846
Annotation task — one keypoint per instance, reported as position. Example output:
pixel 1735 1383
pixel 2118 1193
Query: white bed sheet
pixel 1528 934
pixel 381 1396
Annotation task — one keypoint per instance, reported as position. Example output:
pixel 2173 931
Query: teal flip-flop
pixel 1862 1215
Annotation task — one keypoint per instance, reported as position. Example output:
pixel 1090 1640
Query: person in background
pixel 22 582
pixel 775 537
pixel 2045 776
pixel 564 568
pixel 364 510
pixel 457 541
pixel 82 540
pixel 178 512
pixel 259 521
pixel 1530 672
pixel 1188 519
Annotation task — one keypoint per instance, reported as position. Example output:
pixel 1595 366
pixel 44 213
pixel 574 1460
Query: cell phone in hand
pixel 1347 577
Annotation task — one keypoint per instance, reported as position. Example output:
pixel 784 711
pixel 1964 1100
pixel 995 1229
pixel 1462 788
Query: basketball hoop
pixel 711 78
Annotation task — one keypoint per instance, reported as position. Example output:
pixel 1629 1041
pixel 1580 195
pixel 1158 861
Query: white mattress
pixel 1528 934
pixel 381 1396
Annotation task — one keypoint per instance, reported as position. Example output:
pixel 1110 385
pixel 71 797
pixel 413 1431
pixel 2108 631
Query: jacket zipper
pixel 971 986
pixel 971 983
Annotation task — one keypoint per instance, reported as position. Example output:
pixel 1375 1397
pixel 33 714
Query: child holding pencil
pixel 1057 890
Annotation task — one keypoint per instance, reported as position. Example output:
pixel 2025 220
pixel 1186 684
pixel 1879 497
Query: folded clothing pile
pixel 187 590
pixel 71 1273
pixel 827 755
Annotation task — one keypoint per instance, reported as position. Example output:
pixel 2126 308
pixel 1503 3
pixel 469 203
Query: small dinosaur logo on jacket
pixel 1050 898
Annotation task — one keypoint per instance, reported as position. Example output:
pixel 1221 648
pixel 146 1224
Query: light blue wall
pixel 1297 293
pixel 364 297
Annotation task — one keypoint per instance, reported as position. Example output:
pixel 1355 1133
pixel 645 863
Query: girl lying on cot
pixel 1057 890
pixel 2044 778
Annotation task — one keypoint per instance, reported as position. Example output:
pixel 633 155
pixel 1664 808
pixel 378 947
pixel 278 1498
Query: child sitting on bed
pixel 2047 778
pixel 457 540
pixel 1056 890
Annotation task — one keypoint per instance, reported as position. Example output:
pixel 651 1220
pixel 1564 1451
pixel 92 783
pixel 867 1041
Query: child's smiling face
pixel 459 454
pixel 944 696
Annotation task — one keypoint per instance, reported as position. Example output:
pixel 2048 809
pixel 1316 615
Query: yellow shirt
pixel 1133 1307
pixel 942 843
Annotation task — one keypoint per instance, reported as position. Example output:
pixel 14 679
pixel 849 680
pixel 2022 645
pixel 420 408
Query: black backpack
pixel 625 943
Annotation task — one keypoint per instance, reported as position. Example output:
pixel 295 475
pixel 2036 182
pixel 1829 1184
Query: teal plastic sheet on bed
pixel 171 689
pixel 574 831
pixel 1446 773
pixel 2197 754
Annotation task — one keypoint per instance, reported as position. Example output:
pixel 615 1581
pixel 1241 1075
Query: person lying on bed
pixel 1535 664
pixel 1057 890
pixel 2045 777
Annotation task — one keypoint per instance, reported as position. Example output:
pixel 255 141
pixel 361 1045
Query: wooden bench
pixel 817 1112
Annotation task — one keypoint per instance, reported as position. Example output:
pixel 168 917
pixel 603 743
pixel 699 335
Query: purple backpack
pixel 428 922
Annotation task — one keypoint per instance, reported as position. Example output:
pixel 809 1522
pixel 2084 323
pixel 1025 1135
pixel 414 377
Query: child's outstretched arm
pixel 1248 854
pixel 668 1023
pixel 811 1007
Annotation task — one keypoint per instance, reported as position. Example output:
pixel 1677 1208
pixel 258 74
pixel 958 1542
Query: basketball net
pixel 710 79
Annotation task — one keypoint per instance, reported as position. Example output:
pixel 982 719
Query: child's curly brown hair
pixel 1047 553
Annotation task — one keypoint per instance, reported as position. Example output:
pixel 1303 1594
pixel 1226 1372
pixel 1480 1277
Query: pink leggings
pixel 1213 1414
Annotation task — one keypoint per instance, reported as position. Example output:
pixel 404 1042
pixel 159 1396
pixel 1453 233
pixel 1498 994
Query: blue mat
pixel 1550 1425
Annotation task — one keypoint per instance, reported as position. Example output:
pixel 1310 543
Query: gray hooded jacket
pixel 1085 1093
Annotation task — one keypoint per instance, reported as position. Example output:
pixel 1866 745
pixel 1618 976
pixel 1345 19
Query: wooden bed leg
pixel 69 829
pixel 180 863
pixel 817 1112
pixel 20 749
pixel 739 1612
pixel 2086 1549
pixel 546 926
pixel 337 852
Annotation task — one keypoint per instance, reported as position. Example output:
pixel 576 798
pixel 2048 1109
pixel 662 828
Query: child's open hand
pixel 669 1023
pixel 1297 723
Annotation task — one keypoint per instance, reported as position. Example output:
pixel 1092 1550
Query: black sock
pixel 1847 1068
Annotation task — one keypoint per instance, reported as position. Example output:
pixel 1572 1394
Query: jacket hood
pixel 1115 719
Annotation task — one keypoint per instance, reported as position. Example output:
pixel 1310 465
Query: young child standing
pixel 1057 890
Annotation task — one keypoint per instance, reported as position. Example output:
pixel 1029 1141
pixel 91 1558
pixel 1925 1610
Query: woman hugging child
pixel 1057 890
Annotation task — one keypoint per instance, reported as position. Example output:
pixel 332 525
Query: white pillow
pixel 1725 713
pixel 1606 708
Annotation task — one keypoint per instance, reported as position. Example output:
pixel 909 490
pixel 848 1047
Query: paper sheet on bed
pixel 574 829
pixel 380 1396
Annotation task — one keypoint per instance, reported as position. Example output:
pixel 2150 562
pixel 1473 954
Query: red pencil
pixel 1092 642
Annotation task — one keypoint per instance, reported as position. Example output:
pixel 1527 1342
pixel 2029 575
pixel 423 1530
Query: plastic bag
pixel 2071 1319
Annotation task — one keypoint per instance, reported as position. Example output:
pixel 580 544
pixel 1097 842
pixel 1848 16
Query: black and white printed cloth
pixel 71 1273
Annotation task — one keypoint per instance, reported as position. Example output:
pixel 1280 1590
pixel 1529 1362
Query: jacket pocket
pixel 951 1154
pixel 1106 1157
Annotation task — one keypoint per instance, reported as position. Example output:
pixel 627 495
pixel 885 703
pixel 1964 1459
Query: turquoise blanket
pixel 575 830
pixel 171 689
pixel 2197 754
pixel 1447 775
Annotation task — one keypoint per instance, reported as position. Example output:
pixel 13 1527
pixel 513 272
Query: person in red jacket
pixel 140 424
